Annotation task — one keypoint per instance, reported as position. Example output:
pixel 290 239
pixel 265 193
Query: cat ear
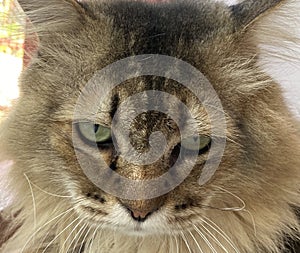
pixel 248 11
pixel 53 15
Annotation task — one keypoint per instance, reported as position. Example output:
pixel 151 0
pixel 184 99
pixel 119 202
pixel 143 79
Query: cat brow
pixel 114 104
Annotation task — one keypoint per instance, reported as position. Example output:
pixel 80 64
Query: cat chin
pixel 135 229
pixel 138 231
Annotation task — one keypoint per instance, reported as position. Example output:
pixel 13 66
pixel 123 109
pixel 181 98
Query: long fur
pixel 250 204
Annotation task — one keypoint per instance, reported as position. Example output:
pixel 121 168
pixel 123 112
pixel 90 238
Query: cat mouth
pixel 137 228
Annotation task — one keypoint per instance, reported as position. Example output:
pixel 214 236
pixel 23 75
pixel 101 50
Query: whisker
pixel 33 201
pixel 237 197
pixel 205 239
pixel 211 235
pixel 216 228
pixel 29 239
pixel 177 244
pixel 94 235
pixel 79 234
pixel 44 238
pixel 49 193
pixel 84 238
pixel 193 237
pixel 53 240
pixel 74 229
pixel 185 241
pixel 252 219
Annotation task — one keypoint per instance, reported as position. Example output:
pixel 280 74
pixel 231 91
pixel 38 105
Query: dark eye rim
pixel 201 151
pixel 205 149
pixel 105 144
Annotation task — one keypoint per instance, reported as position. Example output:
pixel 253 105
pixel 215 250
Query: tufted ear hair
pixel 53 15
pixel 248 11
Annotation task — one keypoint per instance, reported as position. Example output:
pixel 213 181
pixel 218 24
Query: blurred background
pixel 12 24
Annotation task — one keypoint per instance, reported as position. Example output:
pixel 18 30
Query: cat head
pixel 76 40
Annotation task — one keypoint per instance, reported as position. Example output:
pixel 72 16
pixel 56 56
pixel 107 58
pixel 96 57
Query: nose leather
pixel 140 210
pixel 140 215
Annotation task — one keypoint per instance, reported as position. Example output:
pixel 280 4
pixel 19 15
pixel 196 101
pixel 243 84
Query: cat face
pixel 165 213
pixel 210 37
pixel 181 206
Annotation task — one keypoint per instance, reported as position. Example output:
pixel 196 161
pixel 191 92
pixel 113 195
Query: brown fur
pixel 248 206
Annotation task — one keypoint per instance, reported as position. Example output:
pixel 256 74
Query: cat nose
pixel 140 210
pixel 140 216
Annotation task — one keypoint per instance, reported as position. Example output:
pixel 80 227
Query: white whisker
pixel 177 244
pixel 205 239
pixel 193 237
pixel 84 238
pixel 252 219
pixel 79 234
pixel 216 228
pixel 49 193
pixel 49 230
pixel 211 235
pixel 75 227
pixel 93 236
pixel 29 239
pixel 33 201
pixel 186 242
pixel 53 240
pixel 237 197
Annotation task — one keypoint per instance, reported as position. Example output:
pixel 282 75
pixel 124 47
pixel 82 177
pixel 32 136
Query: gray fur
pixel 260 166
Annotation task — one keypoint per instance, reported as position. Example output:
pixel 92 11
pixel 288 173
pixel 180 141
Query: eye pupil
pixel 96 128
pixel 94 133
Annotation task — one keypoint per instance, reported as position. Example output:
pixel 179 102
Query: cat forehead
pixel 123 29
pixel 136 107
pixel 188 19
pixel 152 23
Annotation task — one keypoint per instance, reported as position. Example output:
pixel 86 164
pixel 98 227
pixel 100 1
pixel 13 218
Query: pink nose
pixel 140 216
pixel 140 210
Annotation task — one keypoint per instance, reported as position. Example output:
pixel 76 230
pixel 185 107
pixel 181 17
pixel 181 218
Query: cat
pixel 248 205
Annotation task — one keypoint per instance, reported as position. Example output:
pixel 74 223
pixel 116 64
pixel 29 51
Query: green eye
pixel 192 143
pixel 94 132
